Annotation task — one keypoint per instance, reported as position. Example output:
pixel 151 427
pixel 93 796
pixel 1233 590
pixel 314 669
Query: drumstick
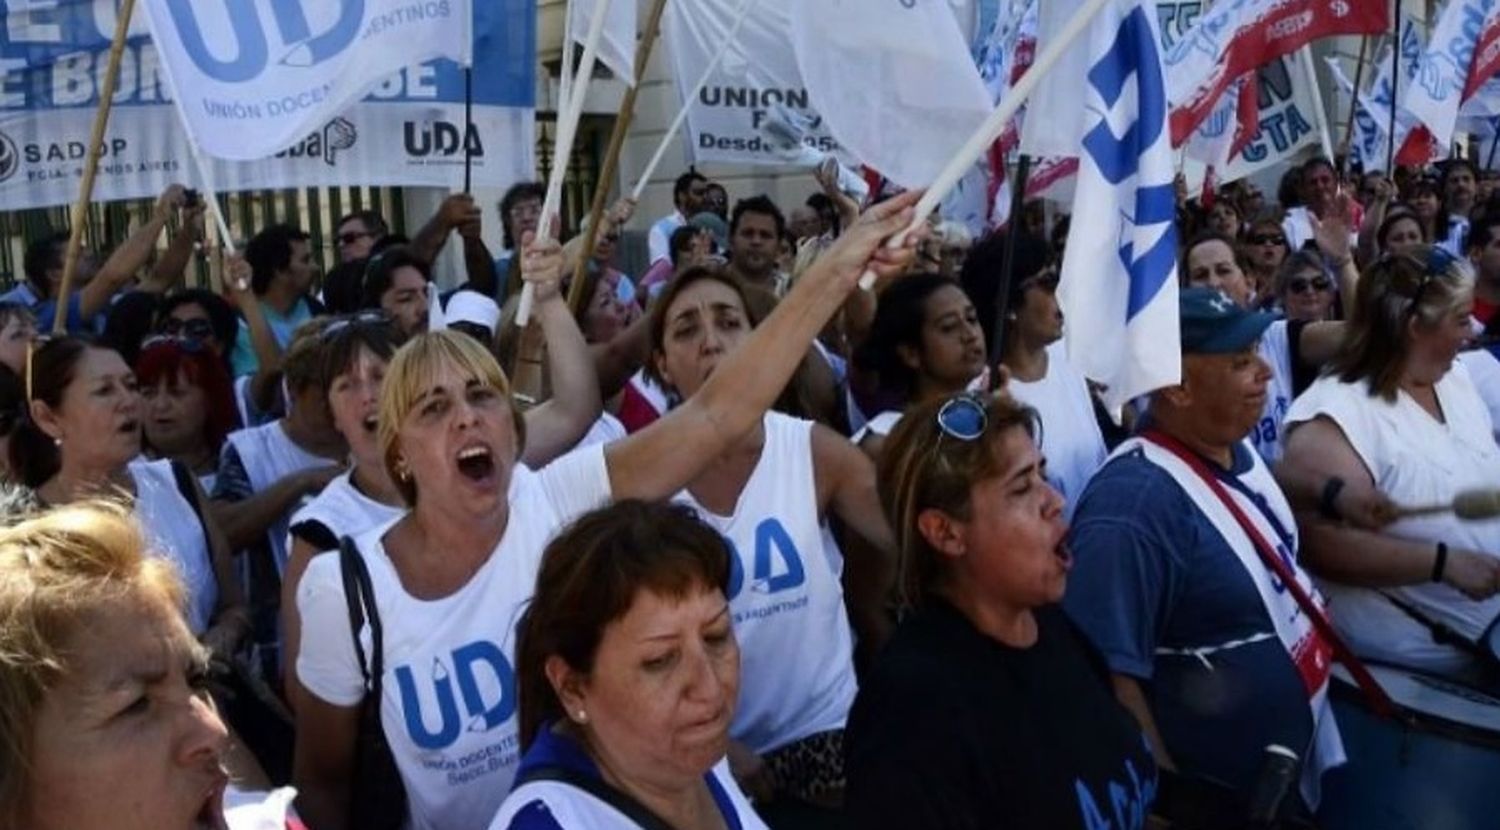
pixel 1470 505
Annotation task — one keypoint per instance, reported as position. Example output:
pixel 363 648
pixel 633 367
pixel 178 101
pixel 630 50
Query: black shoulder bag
pixel 377 795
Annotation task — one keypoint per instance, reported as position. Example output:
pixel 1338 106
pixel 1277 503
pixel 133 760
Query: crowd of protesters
pixel 733 543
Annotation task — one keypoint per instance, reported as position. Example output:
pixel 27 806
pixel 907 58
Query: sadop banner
pixel 408 131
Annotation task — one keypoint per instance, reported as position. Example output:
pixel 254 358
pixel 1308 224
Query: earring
pixel 583 717
pixel 402 472
pixel 57 442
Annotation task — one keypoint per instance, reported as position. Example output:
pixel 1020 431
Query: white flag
pixel 617 45
pixel 893 80
pixel 1367 141
pixel 1119 276
pixel 250 80
pixel 1443 70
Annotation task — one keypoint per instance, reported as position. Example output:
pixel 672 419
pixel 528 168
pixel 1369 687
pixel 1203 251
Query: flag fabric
pixel 1486 63
pixel 1118 289
pixel 617 44
pixel 896 85
pixel 1367 139
pixel 1413 142
pixel 1444 69
pixel 1229 125
pixel 1234 37
pixel 250 80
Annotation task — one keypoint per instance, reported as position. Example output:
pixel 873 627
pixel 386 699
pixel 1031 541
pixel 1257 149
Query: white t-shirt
pixel 606 430
pixel 796 647
pixel 449 702
pixel 536 803
pixel 1484 370
pixel 344 511
pixel 1071 441
pixel 879 426
pixel 1415 460
pixel 1268 434
pixel 176 533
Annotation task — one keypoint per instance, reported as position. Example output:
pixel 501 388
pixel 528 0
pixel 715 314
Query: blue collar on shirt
pixel 553 749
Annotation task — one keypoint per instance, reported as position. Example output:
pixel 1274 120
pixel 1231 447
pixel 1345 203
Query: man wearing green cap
pixel 1180 544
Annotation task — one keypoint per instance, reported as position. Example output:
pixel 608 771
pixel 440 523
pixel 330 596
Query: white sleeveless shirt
pixel 269 455
pixel 344 510
pixel 175 532
pixel 796 647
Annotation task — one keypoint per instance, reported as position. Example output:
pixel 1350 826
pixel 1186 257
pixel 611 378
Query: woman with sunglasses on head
pixel 987 708
pixel 1396 414
pixel 188 403
pixel 449 577
pixel 82 438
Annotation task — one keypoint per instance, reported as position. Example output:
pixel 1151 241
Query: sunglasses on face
pixel 1267 239
pixel 1302 286
pixel 196 328
pixel 352 237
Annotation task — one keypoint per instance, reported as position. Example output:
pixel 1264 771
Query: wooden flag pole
pixel 80 212
pixel 612 156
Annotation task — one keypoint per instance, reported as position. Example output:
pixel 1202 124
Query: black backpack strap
pixel 596 787
pixel 187 487
pixel 359 594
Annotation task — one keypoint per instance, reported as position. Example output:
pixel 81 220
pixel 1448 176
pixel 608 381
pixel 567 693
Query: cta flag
pixel 617 45
pixel 893 79
pixel 1238 36
pixel 1445 71
pixel 251 79
pixel 1119 277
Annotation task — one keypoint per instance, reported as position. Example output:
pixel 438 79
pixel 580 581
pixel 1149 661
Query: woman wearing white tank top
pixel 771 493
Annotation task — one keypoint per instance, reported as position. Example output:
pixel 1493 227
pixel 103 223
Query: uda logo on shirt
pixel 777 565
pixel 486 687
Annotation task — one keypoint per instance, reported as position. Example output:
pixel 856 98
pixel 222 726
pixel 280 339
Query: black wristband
pixel 1327 503
pixel 1440 562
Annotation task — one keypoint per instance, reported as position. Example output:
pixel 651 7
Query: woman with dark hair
pixel 188 402
pixel 1265 249
pixel 627 673
pixel 199 314
pixel 396 282
pixel 1304 288
pixel 81 439
pixel 925 343
pixel 1426 199
pixel 773 493
pixel 1396 414
pixel 1400 233
pixel 354 354
pixel 1213 260
pixel 1224 218
pixel 988 708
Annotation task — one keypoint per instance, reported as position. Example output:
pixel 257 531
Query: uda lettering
pixel 252 53
pixel 441 138
pixel 477 667
pixel 337 135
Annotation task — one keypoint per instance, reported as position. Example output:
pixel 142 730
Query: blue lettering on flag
pixel 1133 55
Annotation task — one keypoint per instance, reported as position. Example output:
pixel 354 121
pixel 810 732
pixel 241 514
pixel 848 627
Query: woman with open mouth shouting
pixel 1003 701
pixel 447 581
pixel 81 438
pixel 101 688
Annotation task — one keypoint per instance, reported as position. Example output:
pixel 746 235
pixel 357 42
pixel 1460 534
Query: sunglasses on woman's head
pixel 197 328
pixel 963 417
pixel 191 345
pixel 369 317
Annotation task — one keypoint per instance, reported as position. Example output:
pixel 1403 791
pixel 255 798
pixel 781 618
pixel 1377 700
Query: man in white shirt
pixel 687 194
pixel 1319 188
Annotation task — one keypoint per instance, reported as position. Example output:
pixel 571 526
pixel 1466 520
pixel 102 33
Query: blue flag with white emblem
pixel 1119 276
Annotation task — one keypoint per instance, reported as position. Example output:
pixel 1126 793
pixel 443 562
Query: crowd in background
pixel 730 542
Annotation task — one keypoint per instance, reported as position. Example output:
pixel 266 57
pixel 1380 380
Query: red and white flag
pixel 1229 126
pixel 1461 55
pixel 1234 38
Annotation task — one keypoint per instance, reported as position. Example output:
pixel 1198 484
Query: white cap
pixel 472 307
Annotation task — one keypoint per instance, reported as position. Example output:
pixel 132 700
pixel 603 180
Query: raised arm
pixel 455 211
pixel 128 258
pixel 659 460
pixel 555 426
